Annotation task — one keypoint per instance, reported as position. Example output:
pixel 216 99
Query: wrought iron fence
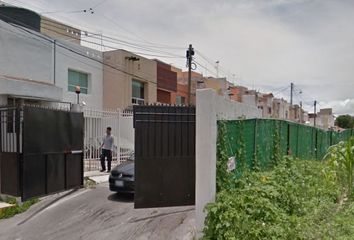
pixel 96 122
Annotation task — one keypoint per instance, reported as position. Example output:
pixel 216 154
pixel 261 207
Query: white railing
pixel 138 101
pixel 96 122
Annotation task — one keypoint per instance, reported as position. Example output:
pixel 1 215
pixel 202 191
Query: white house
pixel 39 69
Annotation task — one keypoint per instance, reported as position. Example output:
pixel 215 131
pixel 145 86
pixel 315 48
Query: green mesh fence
pixel 257 142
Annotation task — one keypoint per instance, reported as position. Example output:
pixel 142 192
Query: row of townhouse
pixel 270 106
pixel 42 62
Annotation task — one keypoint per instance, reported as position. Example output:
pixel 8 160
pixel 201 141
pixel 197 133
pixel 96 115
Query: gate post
pixel 206 138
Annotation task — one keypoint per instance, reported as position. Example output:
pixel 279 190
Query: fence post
pixel 255 141
pixel 288 140
pixel 118 125
pixel 297 140
pixel 17 113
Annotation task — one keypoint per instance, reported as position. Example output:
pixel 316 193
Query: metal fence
pixel 259 139
pixel 96 122
pixel 40 150
pixel 164 156
pixel 10 130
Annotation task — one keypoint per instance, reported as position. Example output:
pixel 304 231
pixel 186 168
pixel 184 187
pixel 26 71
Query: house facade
pixel 166 83
pixel 280 109
pixel 128 79
pixel 197 81
pixel 39 69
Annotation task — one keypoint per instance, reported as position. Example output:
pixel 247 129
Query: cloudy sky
pixel 263 44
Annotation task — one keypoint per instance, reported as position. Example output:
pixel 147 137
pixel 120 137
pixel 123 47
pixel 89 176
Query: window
pixel 138 92
pixel 180 100
pixel 76 78
pixel 269 110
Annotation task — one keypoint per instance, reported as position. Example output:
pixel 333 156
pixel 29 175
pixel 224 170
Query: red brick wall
pixel 164 97
pixel 166 78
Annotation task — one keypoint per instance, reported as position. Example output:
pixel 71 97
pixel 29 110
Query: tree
pixel 345 121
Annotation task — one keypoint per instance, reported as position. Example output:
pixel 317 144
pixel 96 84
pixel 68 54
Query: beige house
pixel 324 118
pixel 59 30
pixel 280 108
pixel 128 79
pixel 220 85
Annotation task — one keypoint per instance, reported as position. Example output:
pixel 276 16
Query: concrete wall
pixel 28 61
pixel 126 132
pixel 209 108
pixel 30 89
pixel 24 55
pixel 117 85
pixel 249 100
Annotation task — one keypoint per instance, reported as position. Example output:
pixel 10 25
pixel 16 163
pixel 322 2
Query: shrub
pixel 16 209
pixel 284 203
pixel 341 159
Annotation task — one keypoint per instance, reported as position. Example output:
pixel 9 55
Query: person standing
pixel 107 147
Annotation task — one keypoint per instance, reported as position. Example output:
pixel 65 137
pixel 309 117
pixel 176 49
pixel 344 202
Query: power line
pixel 227 73
pixel 98 36
pixel 204 67
pixel 150 44
pixel 117 41
pixel 282 90
pixel 113 47
pixel 80 54
pixel 99 4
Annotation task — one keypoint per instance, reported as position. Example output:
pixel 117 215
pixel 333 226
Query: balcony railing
pixel 138 101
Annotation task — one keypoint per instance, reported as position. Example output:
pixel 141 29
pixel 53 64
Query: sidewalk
pixel 3 207
pixel 97 176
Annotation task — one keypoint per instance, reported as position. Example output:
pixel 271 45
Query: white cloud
pixel 341 107
pixel 273 43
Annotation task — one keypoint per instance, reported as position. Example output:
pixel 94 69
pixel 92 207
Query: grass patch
pixel 89 183
pixel 17 208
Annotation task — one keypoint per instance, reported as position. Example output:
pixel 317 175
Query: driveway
pixel 97 214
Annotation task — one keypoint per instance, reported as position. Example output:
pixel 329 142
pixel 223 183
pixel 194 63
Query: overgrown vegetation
pixel 89 183
pixel 16 208
pixel 341 159
pixel 298 199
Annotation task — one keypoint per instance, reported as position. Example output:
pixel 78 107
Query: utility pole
pixel 217 68
pixel 189 55
pixel 55 61
pixel 315 113
pixel 291 93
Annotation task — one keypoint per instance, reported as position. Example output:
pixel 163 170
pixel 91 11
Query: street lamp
pixel 78 91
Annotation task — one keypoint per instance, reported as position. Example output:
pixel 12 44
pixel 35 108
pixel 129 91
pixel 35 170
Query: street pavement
pixel 97 214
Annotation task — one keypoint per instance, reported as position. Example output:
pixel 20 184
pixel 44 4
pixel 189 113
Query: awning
pixel 30 89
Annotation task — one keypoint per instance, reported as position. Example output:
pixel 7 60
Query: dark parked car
pixel 121 178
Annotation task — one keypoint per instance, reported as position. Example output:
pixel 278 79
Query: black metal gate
pixel 164 156
pixel 46 153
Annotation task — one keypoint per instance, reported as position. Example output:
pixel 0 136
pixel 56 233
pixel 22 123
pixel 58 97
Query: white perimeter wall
pixel 209 108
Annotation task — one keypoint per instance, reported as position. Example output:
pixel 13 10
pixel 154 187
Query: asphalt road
pixel 97 214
